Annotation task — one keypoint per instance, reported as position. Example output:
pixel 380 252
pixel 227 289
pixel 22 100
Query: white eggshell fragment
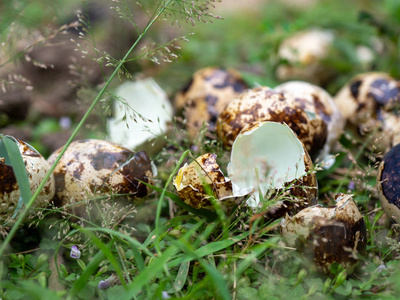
pixel 264 104
pixel 141 112
pixel 389 183
pixel 268 160
pixel 328 235
pixel 92 168
pixel 201 180
pixel 303 53
pixel 36 168
pixel 319 103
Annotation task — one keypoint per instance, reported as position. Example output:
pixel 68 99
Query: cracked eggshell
pixel 206 95
pixel 202 179
pixel 316 101
pixel 304 52
pixel 36 168
pixel 269 159
pixel 328 235
pixel 389 183
pixel 91 168
pixel 370 101
pixel 264 104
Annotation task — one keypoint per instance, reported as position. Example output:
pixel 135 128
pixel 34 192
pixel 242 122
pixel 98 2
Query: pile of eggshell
pixel 274 135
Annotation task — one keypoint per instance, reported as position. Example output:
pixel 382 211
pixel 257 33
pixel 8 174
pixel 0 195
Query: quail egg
pixel 91 168
pixel 206 95
pixel 370 103
pixel 328 235
pixel 270 163
pixel 201 180
pixel 319 103
pixel 36 168
pixel 264 104
pixel 389 183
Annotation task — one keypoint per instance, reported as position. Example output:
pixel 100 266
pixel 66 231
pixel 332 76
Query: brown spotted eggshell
pixel 264 104
pixel 91 168
pixel 199 181
pixel 36 167
pixel 206 95
pixel 328 235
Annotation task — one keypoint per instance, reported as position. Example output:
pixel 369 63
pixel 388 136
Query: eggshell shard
pixel 91 168
pixel 316 101
pixel 304 52
pixel 202 180
pixel 264 104
pixel 36 168
pixel 370 102
pixel 206 95
pixel 270 162
pixel 328 235
pixel 389 183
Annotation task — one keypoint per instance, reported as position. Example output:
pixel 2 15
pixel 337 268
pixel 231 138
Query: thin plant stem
pixel 75 132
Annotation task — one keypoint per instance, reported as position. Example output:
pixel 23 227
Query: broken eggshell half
pixel 328 235
pixel 206 95
pixel 36 168
pixel 92 168
pixel 201 180
pixel 264 104
pixel 270 162
pixel 389 183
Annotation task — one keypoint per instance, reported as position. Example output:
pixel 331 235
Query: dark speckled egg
pixel 264 104
pixel 92 168
pixel 36 167
pixel 389 183
pixel 328 235
pixel 206 95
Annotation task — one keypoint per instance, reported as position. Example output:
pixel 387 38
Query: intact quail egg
pixel 209 91
pixel 264 104
pixel 304 52
pixel 269 162
pixel 389 183
pixel 328 235
pixel 36 167
pixel 91 168
pixel 316 101
pixel 201 180
pixel 370 102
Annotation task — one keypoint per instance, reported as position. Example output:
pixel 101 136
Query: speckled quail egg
pixel 204 97
pixel 271 164
pixel 201 180
pixel 36 167
pixel 328 235
pixel 389 183
pixel 303 53
pixel 370 102
pixel 91 168
pixel 264 104
pixel 319 103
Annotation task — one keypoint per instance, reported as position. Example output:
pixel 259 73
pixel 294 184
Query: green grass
pixel 187 253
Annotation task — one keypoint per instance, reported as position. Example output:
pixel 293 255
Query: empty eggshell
pixel 91 168
pixel 389 183
pixel 206 95
pixel 316 101
pixel 369 102
pixel 264 104
pixel 201 180
pixel 36 167
pixel 270 162
pixel 328 235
